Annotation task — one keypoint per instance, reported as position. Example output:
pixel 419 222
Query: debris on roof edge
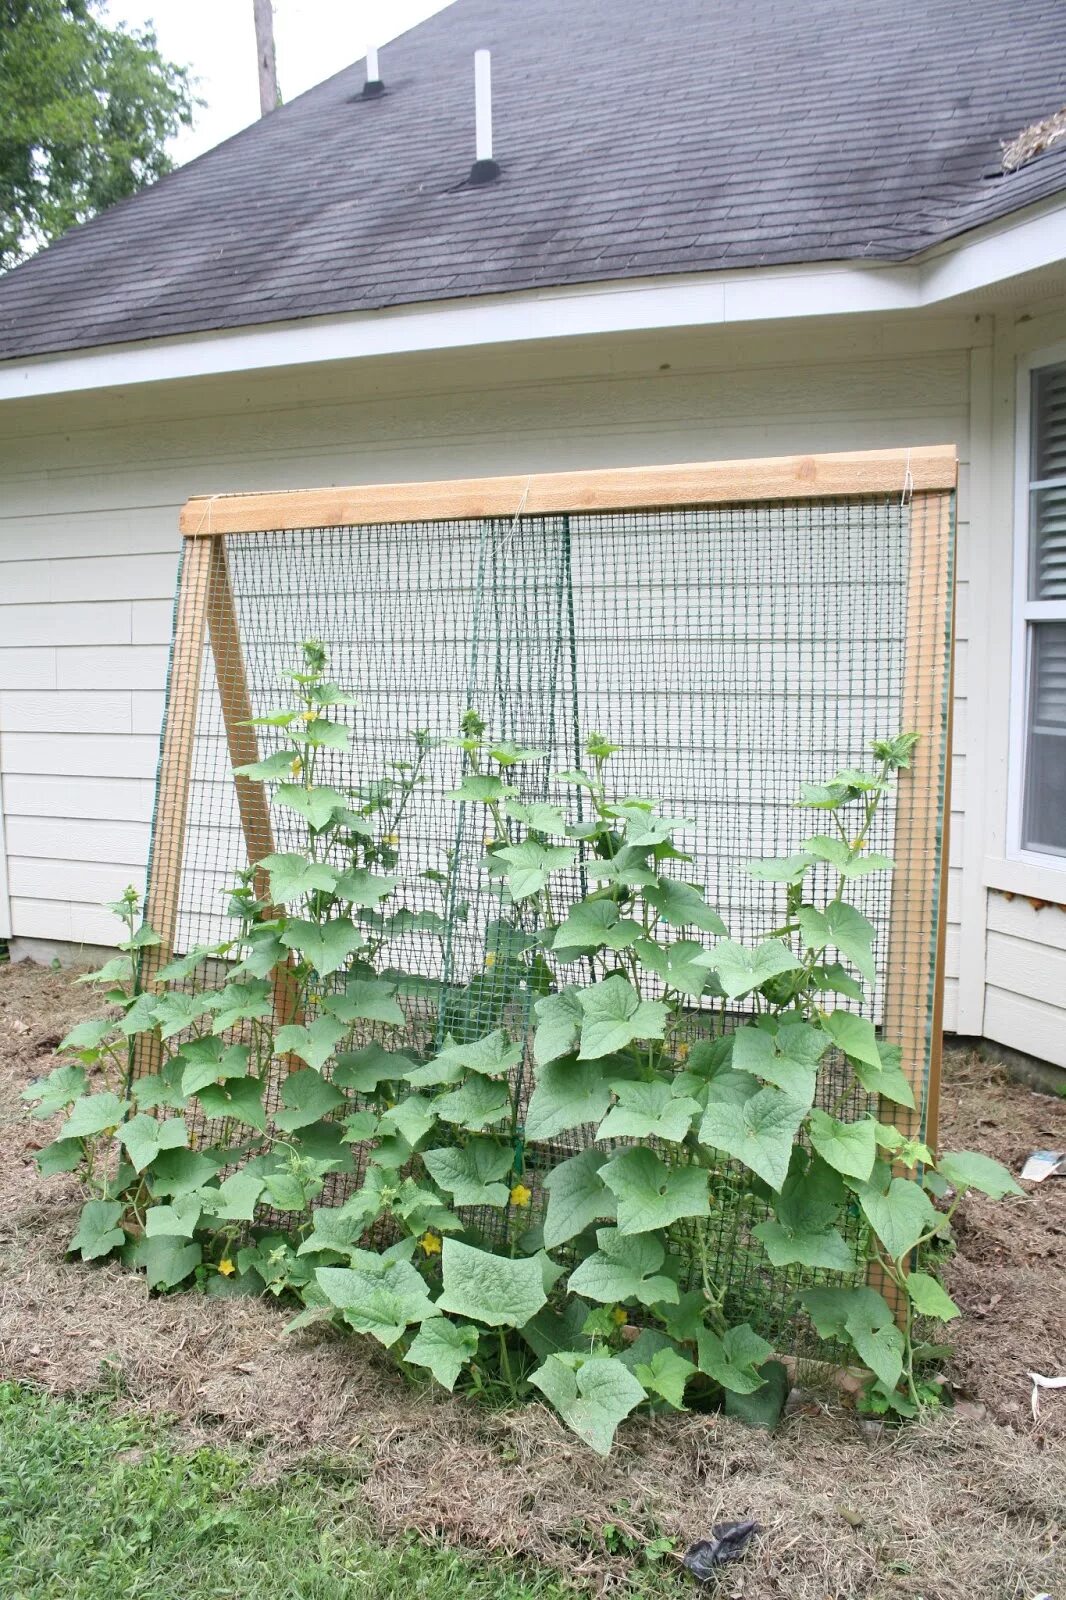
pixel 1034 140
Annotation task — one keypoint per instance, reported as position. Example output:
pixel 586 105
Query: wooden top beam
pixel 870 472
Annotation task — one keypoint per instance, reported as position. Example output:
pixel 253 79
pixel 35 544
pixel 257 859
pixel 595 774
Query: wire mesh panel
pixel 730 651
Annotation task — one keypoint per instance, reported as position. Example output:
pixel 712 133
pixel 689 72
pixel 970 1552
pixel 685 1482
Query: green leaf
pixel 780 869
pixel 326 946
pixel 177 1010
pixel 239 1098
pixel 144 1137
pixel 886 1079
pixel 377 1296
pixel 278 765
pixel 741 970
pixel 492 1056
pixel 577 1197
pixel 326 735
pixel 832 978
pixel 314 1044
pixel 538 815
pixel 759 1132
pixel 624 1267
pixel 57 1091
pixel 734 1358
pixel 826 1250
pixel 849 863
pixel 265 951
pixel 762 1408
pixel 87 1035
pixel 786 1056
pixel 411 1118
pixel 650 1194
pixel 470 1173
pixel 292 876
pixel 648 1111
pixel 290 1191
pixel 559 1019
pixel 93 1114
pixel 866 1319
pixel 363 889
pixel 684 966
pixel 683 905
pixel 614 1015
pixel 306 1096
pixel 529 866
pixel 476 1104
pixel 209 1061
pixel 666 1375
pixel 168 1261
pixel 510 754
pixel 444 1347
pixel 240 1002
pixel 177 1221
pixel 930 1299
pixel 337 1228
pixel 481 789
pixel 317 805
pixel 568 1094
pixel 900 1217
pixel 969 1169
pixel 855 1036
pixel 845 928
pixel 366 1000
pixel 62 1155
pixel 235 1199
pixel 849 1147
pixel 139 1017
pixel 591 1394
pixel 363 1069
pixel 98 1231
pixel 491 1289
pixel 591 925
pixel 181 1172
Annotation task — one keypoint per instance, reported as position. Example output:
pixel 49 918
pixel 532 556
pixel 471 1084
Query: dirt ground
pixel 970 1505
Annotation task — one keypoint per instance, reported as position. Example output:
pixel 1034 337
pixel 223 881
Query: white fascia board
pixel 699 300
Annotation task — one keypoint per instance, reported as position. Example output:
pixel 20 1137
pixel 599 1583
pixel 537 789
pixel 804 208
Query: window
pixel 1041 622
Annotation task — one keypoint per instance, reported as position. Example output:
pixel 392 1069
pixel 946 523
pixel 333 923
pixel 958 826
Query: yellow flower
pixel 309 716
pixel 391 838
pixel 431 1244
pixel 226 1267
pixel 297 767
pixel 858 844
pixel 490 959
pixel 520 1195
pixel 620 1316
pixel 682 1051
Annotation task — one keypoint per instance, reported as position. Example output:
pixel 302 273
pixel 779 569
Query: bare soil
pixel 969 1505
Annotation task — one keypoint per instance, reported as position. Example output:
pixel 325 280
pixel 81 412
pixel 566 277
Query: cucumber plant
pixel 514 1185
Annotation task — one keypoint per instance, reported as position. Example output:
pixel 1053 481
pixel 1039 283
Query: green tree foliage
pixel 85 114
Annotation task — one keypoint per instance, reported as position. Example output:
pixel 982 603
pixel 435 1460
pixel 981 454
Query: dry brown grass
pixel 968 1506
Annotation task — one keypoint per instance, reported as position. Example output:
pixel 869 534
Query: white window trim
pixel 1024 611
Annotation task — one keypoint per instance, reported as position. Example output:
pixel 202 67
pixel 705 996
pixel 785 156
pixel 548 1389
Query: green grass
pixel 97 1506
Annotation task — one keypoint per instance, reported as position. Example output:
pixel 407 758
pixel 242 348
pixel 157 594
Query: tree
pixel 85 114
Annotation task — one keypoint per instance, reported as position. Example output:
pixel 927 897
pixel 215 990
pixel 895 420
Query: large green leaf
pixel 845 928
pixel 666 1375
pixel 57 1091
pixel 241 1002
pixel 493 1056
pixel 683 905
pixel 855 1036
pixel 481 788
pixel 167 1260
pixel 591 925
pixel 652 1195
pixel 86 1035
pixel 240 1098
pixel 885 1078
pixel 786 1056
pixel 317 803
pixel 805 1211
pixel 733 1359
pixel 577 1197
pixel 364 1069
pixel 377 1296
pixel 305 1096
pixel 181 1172
pixel 849 1147
pixel 93 1114
pixel 529 866
pixel 559 1019
pixel 848 862
pixel 176 1010
pixel 614 1015
pixel 741 970
pixel 624 1267
pixel 592 1394
pixel 62 1155
pixel 412 1117
pixel 969 1169
pixel 278 765
pixel 470 1173
pixel 444 1347
pixel 685 965
pixel 292 876
pixel 326 946
pixel 207 1061
pixel 314 1044
pixel 568 1094
pixel 648 1111
pixel 144 1137
pixel 538 815
pixel 477 1104
pixel 899 1217
pixel 177 1221
pixel 492 1289
pixel 760 1132
pixel 780 869
pixel 864 1317
pixel 367 1000
pixel 930 1299
pixel 364 889
pixel 98 1231
pixel 235 1199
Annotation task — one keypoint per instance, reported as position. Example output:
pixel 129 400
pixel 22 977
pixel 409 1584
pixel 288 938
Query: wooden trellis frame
pixel 913 1000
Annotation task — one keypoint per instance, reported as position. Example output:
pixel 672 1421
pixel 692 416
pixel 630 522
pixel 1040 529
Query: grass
pixel 100 1506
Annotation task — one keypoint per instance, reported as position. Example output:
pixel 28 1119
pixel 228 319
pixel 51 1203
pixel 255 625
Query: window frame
pixel 1025 612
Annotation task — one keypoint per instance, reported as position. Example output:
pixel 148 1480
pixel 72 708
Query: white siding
pixel 90 489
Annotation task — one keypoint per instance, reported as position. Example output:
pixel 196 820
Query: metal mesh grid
pixel 732 653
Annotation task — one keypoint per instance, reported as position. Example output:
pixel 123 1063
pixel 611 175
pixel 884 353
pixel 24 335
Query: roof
pixel 634 141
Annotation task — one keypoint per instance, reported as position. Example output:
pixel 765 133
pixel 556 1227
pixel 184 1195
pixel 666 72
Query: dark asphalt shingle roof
pixel 635 140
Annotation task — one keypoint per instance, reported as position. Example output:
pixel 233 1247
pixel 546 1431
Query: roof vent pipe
pixel 373 85
pixel 485 169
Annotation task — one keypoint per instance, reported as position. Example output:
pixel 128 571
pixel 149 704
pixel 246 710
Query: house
pixel 718 231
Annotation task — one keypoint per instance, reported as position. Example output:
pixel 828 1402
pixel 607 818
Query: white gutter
pixel 1024 243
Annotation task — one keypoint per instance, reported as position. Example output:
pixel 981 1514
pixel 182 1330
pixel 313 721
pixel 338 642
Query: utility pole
pixel 268 66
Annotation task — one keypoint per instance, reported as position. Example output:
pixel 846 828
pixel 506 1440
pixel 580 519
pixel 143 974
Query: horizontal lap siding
pixel 88 543
pixel 1025 1005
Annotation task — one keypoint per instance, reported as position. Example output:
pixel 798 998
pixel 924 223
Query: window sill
pixel 1037 880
